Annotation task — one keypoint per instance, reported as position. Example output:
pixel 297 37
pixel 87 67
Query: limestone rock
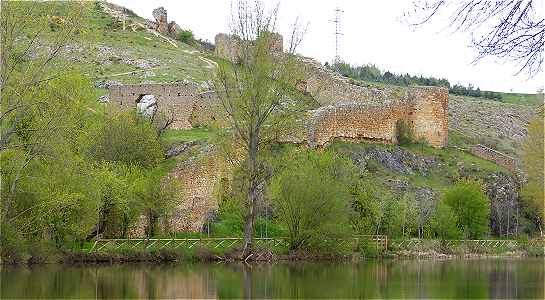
pixel 147 105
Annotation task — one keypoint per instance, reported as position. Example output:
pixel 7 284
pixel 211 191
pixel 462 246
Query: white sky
pixel 372 33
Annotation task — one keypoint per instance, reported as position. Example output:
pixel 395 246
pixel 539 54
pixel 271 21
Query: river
pixel 479 278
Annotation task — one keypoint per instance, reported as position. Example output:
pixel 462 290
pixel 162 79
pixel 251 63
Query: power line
pixel 338 32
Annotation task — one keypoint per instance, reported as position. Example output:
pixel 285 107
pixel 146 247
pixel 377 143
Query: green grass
pixel 519 98
pixel 171 136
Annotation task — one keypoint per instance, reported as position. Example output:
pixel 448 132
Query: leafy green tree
pixel 445 223
pixel 312 199
pixel 471 207
pixel 532 192
pixel 157 198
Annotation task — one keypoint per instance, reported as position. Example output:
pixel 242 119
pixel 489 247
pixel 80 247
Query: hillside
pixel 138 55
pixel 142 56
pixel 134 55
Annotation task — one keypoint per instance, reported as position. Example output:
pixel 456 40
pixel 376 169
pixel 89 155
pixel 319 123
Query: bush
pixel 312 199
pixel 186 36
pixel 445 223
pixel 471 207
pixel 368 248
pixel 404 133
pixel 126 138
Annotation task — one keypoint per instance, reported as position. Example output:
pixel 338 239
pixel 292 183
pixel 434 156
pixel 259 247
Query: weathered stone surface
pixel 160 15
pixel 179 149
pixel 180 100
pixel 397 160
pixel 358 112
pixel 199 176
pixel 147 105
pixel 497 157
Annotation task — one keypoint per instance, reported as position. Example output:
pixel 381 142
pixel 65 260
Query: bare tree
pixel 508 29
pixel 253 91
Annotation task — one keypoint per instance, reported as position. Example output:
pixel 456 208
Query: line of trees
pixel 372 73
pixel 71 169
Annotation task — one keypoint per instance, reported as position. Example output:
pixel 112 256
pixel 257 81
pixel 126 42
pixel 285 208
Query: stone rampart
pixel 179 100
pixel 497 157
pixel 346 105
pixel 199 176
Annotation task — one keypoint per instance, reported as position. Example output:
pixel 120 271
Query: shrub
pixel 470 206
pixel 186 36
pixel 312 199
pixel 126 138
pixel 404 133
pixel 445 223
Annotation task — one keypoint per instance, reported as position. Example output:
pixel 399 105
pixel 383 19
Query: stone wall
pixel 199 176
pixel 497 157
pixel 229 46
pixel 355 121
pixel 361 112
pixel 180 100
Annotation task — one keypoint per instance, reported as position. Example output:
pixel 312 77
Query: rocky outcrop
pixel 162 25
pixel 396 160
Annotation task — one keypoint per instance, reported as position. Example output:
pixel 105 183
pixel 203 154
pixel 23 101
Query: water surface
pixel 466 279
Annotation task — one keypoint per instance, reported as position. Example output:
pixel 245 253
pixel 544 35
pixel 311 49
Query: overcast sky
pixel 372 33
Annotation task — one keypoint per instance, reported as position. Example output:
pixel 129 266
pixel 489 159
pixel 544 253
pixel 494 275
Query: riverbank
pixel 430 249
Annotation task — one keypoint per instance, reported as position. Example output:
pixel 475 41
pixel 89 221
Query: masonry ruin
pixel 495 156
pixel 359 112
pixel 181 101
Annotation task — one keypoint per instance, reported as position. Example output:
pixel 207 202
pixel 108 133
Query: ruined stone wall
pixel 180 100
pixel 208 110
pixel 354 111
pixel 428 114
pixel 497 157
pixel 229 47
pixel 358 121
pixel 199 176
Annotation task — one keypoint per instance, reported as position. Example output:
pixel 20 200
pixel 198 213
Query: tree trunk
pixel 253 174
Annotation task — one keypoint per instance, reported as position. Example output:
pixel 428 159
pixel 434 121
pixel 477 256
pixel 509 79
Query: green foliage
pixel 445 223
pixel 311 197
pixel 533 158
pixel 126 138
pixel 471 207
pixel 186 36
pixel 404 133
pixel 171 136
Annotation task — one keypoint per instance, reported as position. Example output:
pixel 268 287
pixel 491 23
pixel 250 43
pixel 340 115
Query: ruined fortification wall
pixel 360 112
pixel 229 47
pixel 497 157
pixel 199 176
pixel 180 100
pixel 354 121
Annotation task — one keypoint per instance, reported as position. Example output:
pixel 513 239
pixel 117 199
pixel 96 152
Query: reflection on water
pixel 493 278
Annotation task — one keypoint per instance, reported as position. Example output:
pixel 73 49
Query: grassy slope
pixel 184 62
pixel 439 179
